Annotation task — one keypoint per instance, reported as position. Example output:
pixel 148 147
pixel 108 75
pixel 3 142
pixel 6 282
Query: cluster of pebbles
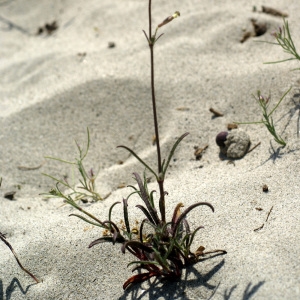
pixel 233 144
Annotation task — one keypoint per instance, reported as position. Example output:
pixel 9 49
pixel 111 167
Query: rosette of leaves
pixel 162 253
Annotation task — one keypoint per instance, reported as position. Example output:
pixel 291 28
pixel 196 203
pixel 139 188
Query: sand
pixel 55 85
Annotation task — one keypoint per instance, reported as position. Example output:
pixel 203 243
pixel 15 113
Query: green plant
pixel 87 187
pixel 167 249
pixel 267 120
pixel 3 239
pixel 285 41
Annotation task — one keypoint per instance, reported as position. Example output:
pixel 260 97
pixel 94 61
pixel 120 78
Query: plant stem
pixel 154 111
pixel 160 177
pixel 151 46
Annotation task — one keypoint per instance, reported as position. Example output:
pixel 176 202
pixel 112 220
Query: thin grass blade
pixel 110 210
pixel 86 220
pixel 173 150
pixel 139 159
pixel 125 209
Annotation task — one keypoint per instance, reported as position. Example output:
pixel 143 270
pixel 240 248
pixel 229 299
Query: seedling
pixel 285 41
pixel 166 250
pixel 267 116
pixel 87 187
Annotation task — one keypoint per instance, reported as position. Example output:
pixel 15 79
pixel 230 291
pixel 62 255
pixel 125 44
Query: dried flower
pixel 169 19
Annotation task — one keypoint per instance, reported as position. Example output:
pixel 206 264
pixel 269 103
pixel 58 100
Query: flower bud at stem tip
pixel 169 19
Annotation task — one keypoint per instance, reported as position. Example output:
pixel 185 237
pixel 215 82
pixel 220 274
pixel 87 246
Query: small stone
pixel 221 138
pixel 111 45
pixel 10 195
pixel 199 152
pixel 237 143
pixel 265 188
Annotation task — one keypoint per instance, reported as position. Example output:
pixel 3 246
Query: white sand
pixel 49 95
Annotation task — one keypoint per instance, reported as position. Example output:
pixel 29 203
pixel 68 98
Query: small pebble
pixel 221 138
pixel 10 195
pixel 111 45
pixel 265 188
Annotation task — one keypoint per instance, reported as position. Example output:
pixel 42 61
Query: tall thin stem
pixel 150 19
pixel 160 176
pixel 151 46
pixel 154 112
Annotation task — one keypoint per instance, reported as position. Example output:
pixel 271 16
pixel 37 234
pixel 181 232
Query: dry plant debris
pixel 262 226
pixel 182 108
pixel 254 147
pixel 3 239
pixel 273 12
pixel 259 28
pixel 23 168
pixel 48 28
pixel 10 195
pixel 216 113
pixel 231 126
pixel 265 188
pixel 199 152
pixel 111 44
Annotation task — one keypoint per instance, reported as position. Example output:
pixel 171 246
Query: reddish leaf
pixel 139 278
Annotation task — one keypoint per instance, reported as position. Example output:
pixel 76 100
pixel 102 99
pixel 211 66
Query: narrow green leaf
pixel 60 160
pixel 139 159
pixel 162 261
pixel 170 248
pixel 110 210
pixel 86 220
pixel 193 235
pixel 172 152
pixel 58 180
pixel 125 205
pixel 279 102
pixel 279 61
pixel 145 198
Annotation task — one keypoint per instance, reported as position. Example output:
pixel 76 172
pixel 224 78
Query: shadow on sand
pixel 192 284
pixel 14 284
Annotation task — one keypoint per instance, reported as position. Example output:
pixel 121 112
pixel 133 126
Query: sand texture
pixel 94 71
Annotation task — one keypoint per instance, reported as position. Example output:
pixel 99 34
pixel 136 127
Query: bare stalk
pixel 160 177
